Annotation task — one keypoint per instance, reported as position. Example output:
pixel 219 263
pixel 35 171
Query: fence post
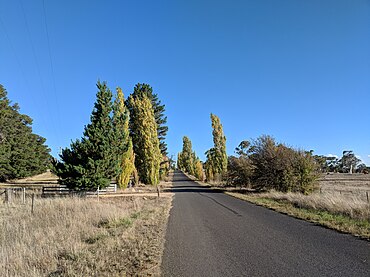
pixel 8 196
pixel 24 196
pixel 33 203
pixel 98 193
pixel 158 190
pixel 367 197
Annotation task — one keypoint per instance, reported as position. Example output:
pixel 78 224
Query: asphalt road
pixel 213 234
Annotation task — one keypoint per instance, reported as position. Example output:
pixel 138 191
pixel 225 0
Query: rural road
pixel 213 234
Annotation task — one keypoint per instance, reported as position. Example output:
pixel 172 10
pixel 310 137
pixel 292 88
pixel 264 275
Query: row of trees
pixel 188 161
pixel 346 164
pixel 22 153
pixel 262 164
pixel 125 138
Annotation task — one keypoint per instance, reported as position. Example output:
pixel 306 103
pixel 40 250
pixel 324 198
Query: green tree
pixel 282 168
pixel 240 168
pixel 22 153
pixel 143 130
pixel 348 161
pixel 93 161
pixel 124 145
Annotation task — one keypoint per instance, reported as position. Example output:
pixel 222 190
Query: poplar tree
pixel 22 153
pixel 141 90
pixel 186 155
pixel 123 140
pixel 143 129
pixel 216 165
pixel 198 169
pixel 179 162
pixel 92 161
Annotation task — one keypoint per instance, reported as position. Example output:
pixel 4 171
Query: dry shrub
pixel 83 237
pixel 353 206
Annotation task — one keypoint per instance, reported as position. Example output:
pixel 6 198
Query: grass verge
pixel 307 209
pixel 84 237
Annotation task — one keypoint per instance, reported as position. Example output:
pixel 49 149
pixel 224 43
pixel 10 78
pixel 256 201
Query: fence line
pixel 52 191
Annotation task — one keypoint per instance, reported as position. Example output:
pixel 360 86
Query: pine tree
pixel 143 130
pixel 158 108
pixel 22 153
pixel 124 143
pixel 93 161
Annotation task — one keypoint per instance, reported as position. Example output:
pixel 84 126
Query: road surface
pixel 213 234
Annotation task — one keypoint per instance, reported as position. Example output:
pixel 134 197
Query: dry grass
pixel 342 213
pixel 346 184
pixel 349 205
pixel 83 237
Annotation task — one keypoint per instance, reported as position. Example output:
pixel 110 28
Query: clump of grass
pixel 345 214
pixel 83 237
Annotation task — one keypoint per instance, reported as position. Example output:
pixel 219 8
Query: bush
pixel 268 165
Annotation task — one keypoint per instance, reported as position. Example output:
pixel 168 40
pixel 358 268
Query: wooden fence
pixel 55 191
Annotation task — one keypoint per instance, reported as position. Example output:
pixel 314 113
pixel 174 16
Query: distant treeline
pixel 263 164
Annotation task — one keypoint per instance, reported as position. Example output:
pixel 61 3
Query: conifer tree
pixel 93 161
pixel 124 143
pixel 143 130
pixel 22 153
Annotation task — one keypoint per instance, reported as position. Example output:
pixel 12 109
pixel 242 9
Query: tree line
pixel 263 163
pixel 124 140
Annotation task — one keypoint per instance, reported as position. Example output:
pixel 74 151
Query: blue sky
pixel 297 70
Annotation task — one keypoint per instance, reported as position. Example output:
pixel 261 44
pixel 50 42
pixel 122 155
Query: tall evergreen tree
pixel 93 161
pixel 22 153
pixel 124 143
pixel 158 108
pixel 143 129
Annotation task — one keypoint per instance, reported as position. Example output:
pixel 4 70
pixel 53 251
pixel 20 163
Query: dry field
pixel 83 237
pixel 346 184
